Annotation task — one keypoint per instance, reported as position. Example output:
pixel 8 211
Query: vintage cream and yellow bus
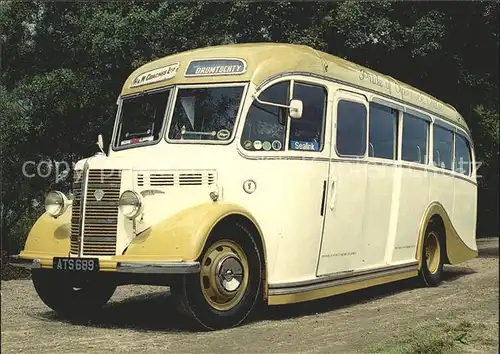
pixel 259 173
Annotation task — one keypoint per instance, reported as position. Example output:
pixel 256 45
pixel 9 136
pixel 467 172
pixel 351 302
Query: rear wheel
pixel 227 287
pixel 68 298
pixel 432 257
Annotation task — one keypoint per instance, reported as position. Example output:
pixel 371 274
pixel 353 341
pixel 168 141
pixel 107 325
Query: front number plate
pixel 76 264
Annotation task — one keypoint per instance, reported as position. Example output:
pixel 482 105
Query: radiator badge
pixel 99 194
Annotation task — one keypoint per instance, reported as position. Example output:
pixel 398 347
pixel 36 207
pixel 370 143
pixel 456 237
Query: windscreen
pixel 207 113
pixel 141 118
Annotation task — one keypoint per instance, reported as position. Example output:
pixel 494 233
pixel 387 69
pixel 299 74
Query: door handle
pixel 333 195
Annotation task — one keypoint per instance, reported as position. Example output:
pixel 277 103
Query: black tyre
pixel 69 299
pixel 228 285
pixel 432 256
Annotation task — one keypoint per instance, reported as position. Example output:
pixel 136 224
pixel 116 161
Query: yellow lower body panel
pixel 337 289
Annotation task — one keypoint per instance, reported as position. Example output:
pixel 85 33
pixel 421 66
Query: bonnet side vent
pixel 161 179
pixel 192 179
pixel 140 180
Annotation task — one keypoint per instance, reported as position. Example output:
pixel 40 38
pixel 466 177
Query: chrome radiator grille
pixel 101 213
pixel 101 216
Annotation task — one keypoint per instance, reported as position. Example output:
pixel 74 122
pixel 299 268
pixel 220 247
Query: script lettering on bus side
pixel 374 79
pixel 419 97
pixel 406 93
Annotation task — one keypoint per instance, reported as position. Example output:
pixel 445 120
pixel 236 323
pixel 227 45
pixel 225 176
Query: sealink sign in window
pixel 208 67
pixel 304 145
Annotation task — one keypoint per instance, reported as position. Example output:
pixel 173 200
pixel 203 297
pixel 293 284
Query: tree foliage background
pixel 63 64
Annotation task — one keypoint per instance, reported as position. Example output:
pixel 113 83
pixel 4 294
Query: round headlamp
pixel 56 203
pixel 130 204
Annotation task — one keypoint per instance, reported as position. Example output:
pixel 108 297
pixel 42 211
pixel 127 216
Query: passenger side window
pixel 443 147
pixel 265 125
pixel 462 155
pixel 414 142
pixel 351 128
pixel 307 132
pixel 383 132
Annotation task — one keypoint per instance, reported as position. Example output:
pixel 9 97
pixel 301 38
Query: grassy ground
pixel 444 337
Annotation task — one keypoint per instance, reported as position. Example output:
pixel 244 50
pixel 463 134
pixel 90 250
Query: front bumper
pixel 120 267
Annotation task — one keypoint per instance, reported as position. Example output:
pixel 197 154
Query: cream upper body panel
pixel 266 60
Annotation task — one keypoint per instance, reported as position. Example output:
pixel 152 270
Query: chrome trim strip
pixel 17 261
pixel 281 157
pixel 341 275
pixel 396 164
pixel 159 268
pixel 340 279
pixel 441 123
pixel 417 114
pixel 83 202
pixel 383 102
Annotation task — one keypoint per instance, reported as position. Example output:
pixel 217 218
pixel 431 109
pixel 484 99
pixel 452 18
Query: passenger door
pixel 342 241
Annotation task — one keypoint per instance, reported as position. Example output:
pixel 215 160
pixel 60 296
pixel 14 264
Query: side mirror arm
pixel 293 109
pixel 271 103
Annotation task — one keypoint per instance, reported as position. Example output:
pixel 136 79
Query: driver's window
pixel 265 126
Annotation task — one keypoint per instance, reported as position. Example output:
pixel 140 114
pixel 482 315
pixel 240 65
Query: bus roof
pixel 261 61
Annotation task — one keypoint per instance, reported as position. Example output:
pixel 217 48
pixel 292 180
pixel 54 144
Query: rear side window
pixel 443 147
pixel 383 132
pixel 462 155
pixel 351 128
pixel 307 132
pixel 414 142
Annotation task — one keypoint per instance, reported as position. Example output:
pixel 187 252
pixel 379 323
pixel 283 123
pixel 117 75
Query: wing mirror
pixel 294 109
pixel 100 143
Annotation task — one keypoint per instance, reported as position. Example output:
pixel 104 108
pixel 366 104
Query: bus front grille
pixel 101 213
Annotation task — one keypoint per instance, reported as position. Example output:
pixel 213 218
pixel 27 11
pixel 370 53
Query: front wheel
pixel 227 287
pixel 71 299
pixel 432 257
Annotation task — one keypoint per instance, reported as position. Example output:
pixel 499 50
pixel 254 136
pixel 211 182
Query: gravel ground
pixel 142 318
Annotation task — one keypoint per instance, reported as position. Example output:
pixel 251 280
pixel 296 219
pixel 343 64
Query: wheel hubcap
pixel 224 275
pixel 432 253
pixel 230 274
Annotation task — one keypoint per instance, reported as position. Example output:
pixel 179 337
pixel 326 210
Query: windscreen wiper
pixel 131 135
pixel 184 132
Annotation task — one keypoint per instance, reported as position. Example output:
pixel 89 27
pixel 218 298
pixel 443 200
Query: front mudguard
pixel 182 237
pixel 48 238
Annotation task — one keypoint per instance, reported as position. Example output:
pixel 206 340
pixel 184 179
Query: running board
pixel 337 284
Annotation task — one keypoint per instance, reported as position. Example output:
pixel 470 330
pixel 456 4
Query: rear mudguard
pixel 456 249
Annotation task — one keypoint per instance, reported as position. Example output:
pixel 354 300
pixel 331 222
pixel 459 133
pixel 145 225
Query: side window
pixel 414 142
pixel 306 133
pixel 443 147
pixel 382 140
pixel 462 155
pixel 351 128
pixel 265 125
